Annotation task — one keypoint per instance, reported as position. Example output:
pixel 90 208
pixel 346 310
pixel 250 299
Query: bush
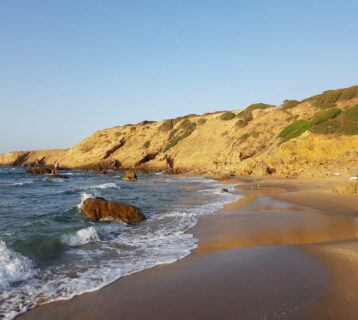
pixel 289 104
pixel 144 122
pixel 241 123
pixel 329 98
pixel 166 126
pixel 325 115
pixel 244 137
pixel 187 125
pixel 172 133
pixel 146 144
pixel 201 121
pixel 346 123
pixel 247 113
pixel 177 139
pixel 227 116
pixel 295 129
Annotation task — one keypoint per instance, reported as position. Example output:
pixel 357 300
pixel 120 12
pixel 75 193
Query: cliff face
pixel 299 138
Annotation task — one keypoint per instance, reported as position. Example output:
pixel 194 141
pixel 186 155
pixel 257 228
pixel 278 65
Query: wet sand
pixel 284 251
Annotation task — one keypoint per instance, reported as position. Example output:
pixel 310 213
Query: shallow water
pixel 50 251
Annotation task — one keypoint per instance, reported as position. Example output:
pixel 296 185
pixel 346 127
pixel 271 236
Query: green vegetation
pixel 186 127
pixel 173 132
pixel 345 123
pixel 244 137
pixel 177 139
pixel 227 116
pixel 289 104
pixel 325 115
pixel 247 113
pixel 328 99
pixel 166 125
pixel 144 122
pixel 241 123
pixel 295 129
pixel 146 144
pixel 201 121
pixel 330 121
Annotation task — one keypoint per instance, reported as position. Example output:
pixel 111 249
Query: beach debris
pixel 223 190
pixel 337 174
pixel 102 209
pixel 129 176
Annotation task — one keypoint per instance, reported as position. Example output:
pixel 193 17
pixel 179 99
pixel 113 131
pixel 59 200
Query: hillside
pixel 314 137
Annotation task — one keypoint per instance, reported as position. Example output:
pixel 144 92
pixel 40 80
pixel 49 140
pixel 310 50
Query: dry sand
pixel 284 251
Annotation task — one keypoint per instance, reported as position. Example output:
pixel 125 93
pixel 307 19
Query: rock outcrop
pixel 129 176
pixel 39 170
pixel 305 138
pixel 100 208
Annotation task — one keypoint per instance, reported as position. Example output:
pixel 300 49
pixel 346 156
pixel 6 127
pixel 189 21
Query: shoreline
pixel 277 231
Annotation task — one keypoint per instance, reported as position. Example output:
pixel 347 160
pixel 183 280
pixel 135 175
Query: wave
pixel 115 248
pixel 80 237
pixel 84 196
pixel 13 266
pixel 106 186
pixel 23 183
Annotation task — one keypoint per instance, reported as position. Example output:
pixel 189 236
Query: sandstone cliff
pixel 314 137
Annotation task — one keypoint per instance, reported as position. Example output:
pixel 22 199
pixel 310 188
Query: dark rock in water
pixel 38 170
pixel 129 176
pixel 58 176
pixel 100 208
pixel 224 190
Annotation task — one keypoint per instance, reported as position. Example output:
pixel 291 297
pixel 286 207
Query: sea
pixel 50 251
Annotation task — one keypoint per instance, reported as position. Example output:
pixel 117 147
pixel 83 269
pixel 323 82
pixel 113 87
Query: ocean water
pixel 50 251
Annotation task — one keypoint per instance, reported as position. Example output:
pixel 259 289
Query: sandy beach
pixel 287 249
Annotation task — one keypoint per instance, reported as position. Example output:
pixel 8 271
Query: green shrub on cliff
pixel 166 126
pixel 325 115
pixel 289 104
pixel 345 123
pixel 247 113
pixel 186 127
pixel 295 129
pixel 175 140
pixel 201 121
pixel 328 99
pixel 227 116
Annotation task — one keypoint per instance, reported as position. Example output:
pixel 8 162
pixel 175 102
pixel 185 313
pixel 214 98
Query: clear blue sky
pixel 70 67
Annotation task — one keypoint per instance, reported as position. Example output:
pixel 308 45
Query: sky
pixel 71 67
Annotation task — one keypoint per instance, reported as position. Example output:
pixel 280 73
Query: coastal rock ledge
pixel 100 208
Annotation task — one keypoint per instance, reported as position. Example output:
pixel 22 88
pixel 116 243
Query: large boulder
pixel 129 176
pixel 100 208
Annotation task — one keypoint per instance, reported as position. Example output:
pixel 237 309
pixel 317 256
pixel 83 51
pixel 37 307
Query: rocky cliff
pixel 314 137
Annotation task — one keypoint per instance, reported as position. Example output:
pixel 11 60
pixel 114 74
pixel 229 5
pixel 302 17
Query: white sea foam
pixel 106 186
pixel 21 183
pixel 13 266
pixel 84 196
pixel 122 249
pixel 80 237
